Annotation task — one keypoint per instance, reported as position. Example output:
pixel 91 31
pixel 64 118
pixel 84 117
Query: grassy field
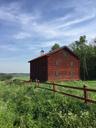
pixel 88 84
pixel 21 77
pixel 23 106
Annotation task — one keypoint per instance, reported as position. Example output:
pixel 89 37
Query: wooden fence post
pixel 85 94
pixel 38 83
pixel 54 87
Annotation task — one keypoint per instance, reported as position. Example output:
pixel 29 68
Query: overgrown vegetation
pixel 23 106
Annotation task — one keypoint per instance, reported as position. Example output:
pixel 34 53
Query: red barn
pixel 58 65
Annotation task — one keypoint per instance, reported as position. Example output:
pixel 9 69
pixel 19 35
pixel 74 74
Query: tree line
pixel 87 54
pixel 4 76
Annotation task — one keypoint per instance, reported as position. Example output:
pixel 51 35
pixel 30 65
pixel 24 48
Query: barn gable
pixel 63 65
pixel 50 53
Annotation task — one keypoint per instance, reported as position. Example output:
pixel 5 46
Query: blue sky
pixel 27 26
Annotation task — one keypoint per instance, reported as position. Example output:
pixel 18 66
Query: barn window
pixel 71 63
pixel 64 73
pixel 57 63
pixel 56 73
pixel 72 74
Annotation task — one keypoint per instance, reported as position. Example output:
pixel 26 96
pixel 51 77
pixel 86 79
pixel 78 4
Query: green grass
pixel 89 84
pixel 21 77
pixel 23 106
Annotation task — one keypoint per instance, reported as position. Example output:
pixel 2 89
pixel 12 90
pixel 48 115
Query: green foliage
pixel 55 46
pixel 87 55
pixel 5 76
pixel 26 107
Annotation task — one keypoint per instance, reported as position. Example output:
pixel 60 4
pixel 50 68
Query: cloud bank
pixel 27 27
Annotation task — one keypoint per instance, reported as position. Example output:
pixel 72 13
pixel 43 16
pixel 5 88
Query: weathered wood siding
pixel 63 65
pixel 38 69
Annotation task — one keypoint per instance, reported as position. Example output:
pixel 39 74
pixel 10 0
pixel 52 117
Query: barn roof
pixel 49 53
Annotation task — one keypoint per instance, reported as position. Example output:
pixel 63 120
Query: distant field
pixel 21 77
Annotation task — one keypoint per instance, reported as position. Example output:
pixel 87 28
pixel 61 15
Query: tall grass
pixel 23 106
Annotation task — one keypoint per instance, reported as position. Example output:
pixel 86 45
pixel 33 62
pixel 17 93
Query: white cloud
pixel 31 27
pixel 22 35
pixel 8 12
pixel 8 47
pixel 75 21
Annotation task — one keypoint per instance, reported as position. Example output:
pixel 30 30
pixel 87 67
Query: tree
pixel 55 46
pixel 79 47
pixel 87 55
pixel 91 62
pixel 4 76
